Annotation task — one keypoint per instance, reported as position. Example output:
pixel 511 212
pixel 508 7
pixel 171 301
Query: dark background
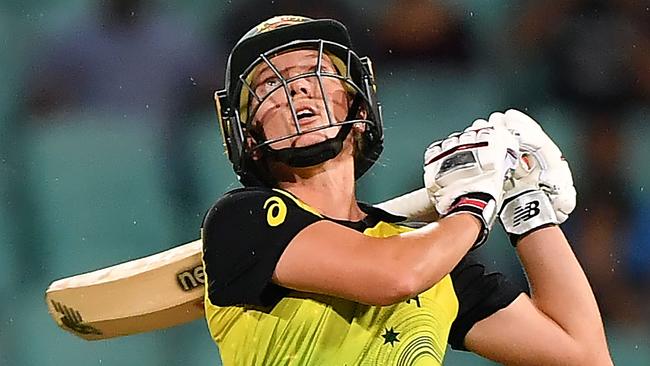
pixel 110 151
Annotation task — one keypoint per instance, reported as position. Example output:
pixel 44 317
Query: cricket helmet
pixel 259 45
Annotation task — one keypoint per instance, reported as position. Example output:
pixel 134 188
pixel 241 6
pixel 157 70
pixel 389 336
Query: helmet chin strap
pixel 302 157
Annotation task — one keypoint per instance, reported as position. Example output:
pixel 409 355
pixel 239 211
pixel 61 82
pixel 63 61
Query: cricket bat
pixel 159 291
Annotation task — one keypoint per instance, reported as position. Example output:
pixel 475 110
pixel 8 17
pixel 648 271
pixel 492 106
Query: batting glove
pixel 465 173
pixel 541 191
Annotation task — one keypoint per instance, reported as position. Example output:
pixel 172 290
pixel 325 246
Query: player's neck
pixel 328 187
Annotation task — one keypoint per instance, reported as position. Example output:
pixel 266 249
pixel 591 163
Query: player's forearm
pixel 560 289
pixel 431 252
pixel 374 270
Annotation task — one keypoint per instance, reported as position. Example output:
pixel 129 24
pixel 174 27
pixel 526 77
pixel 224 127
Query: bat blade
pixel 150 293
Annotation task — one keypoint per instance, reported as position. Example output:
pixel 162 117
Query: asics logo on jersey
pixel 276 211
pixel 526 212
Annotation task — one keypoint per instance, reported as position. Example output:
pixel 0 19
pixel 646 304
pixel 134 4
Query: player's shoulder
pixel 244 193
pixel 237 199
pixel 253 201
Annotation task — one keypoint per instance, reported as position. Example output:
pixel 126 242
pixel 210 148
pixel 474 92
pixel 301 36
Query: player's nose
pixel 300 86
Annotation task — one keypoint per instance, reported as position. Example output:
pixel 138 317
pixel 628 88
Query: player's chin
pixel 315 137
pixel 308 139
pixel 299 141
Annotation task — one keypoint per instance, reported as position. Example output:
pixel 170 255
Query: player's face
pixel 274 115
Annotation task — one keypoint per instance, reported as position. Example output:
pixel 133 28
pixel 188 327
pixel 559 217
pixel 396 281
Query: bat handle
pixel 415 205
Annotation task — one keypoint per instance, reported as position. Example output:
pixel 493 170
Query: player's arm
pixel 560 323
pixel 332 259
pixel 258 243
pixel 465 173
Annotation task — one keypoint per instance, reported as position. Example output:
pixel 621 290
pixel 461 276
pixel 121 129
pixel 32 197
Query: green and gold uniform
pixel 256 322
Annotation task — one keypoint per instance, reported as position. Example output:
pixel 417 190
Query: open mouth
pixel 305 113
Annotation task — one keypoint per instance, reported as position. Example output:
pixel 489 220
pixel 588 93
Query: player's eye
pixel 267 86
pixel 271 82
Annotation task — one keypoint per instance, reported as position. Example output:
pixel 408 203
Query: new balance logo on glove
pixel 525 212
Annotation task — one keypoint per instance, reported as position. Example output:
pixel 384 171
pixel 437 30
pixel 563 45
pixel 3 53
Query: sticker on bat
pixel 191 278
pixel 73 320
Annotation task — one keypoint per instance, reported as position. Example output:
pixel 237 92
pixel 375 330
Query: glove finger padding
pixel 479 124
pixel 472 164
pixel 541 191
pixel 456 163
pixel 550 171
pixel 563 199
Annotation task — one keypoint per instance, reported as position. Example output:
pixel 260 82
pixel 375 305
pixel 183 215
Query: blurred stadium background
pixel 109 148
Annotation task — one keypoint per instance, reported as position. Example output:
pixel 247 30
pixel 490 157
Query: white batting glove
pixel 541 191
pixel 465 173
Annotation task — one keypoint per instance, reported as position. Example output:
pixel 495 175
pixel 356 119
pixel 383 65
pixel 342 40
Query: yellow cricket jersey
pixel 255 322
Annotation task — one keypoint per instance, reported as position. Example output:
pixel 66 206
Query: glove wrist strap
pixel 525 213
pixel 482 206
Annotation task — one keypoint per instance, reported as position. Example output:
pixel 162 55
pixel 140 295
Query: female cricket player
pixel 301 273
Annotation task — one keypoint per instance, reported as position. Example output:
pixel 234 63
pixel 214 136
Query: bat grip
pixel 415 205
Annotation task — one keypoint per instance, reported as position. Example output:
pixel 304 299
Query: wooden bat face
pixel 150 293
